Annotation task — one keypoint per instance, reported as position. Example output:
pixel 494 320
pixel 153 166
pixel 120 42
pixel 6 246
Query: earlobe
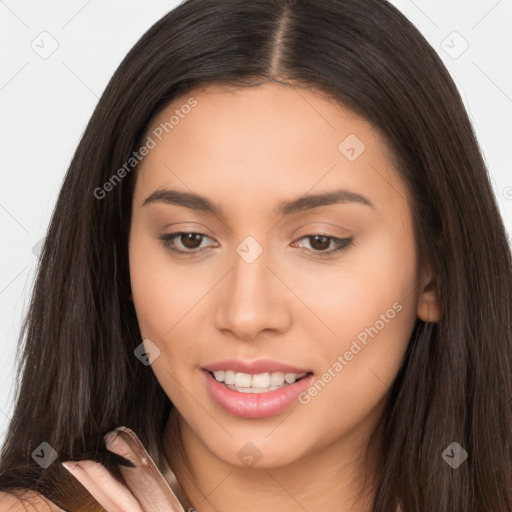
pixel 429 308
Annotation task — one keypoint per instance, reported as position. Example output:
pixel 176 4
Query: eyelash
pixel 342 244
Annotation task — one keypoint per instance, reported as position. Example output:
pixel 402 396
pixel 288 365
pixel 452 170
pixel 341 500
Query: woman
pixel 277 264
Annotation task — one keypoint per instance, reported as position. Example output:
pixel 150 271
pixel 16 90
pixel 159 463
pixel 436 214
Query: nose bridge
pixel 250 300
pixel 249 281
pixel 249 276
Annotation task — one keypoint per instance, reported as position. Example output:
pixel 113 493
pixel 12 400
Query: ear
pixel 429 308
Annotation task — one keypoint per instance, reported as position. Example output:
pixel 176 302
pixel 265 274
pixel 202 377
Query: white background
pixel 45 104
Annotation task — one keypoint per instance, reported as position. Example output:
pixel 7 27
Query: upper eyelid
pixel 318 233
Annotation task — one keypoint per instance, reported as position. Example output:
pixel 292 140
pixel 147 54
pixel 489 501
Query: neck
pixel 335 478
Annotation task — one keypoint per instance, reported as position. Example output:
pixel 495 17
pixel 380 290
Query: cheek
pixel 162 292
pixel 162 298
pixel 370 287
pixel 370 303
pixel 368 300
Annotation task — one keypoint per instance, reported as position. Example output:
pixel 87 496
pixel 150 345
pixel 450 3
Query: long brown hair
pixel 78 377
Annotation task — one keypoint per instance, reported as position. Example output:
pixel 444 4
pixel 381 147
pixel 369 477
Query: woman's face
pixel 300 259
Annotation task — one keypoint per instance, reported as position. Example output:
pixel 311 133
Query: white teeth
pixel 258 383
pixel 229 377
pixel 242 380
pixel 219 375
pixel 290 378
pixel 277 379
pixel 261 380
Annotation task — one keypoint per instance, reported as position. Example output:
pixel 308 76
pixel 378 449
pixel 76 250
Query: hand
pixel 146 489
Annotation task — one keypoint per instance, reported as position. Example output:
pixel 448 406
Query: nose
pixel 252 300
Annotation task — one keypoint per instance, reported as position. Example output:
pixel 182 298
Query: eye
pixel 320 242
pixel 190 241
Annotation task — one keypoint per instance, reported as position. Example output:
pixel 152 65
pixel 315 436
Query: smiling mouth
pixel 256 383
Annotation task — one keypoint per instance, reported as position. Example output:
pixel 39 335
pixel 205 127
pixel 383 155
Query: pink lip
pixel 255 405
pixel 253 367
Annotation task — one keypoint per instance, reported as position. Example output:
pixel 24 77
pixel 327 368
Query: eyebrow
pixel 307 202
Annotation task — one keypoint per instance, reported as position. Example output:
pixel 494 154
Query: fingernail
pixel 109 437
pixel 70 466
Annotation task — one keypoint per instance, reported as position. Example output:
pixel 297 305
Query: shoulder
pixel 29 502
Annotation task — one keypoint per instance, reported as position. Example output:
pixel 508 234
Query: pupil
pixel 189 240
pixel 324 245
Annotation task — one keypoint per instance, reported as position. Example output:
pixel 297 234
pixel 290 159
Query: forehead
pixel 265 141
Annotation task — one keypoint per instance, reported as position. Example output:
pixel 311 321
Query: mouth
pixel 256 383
pixel 255 395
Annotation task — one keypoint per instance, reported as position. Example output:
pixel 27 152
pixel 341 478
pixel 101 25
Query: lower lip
pixel 255 405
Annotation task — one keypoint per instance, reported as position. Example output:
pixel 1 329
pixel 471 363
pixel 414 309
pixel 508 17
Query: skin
pixel 247 150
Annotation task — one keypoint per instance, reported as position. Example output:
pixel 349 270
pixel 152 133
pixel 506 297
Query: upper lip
pixel 254 367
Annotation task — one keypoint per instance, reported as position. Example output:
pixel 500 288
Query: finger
pixel 105 489
pixel 144 480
